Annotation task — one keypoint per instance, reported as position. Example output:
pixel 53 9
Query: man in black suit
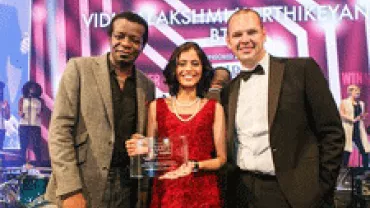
pixel 285 137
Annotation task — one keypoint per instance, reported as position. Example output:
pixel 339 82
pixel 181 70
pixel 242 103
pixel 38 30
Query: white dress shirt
pixel 31 108
pixel 252 130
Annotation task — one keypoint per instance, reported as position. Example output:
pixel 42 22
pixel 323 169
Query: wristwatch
pixel 196 166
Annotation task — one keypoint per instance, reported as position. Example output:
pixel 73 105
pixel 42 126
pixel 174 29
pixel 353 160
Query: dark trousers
pixel 258 191
pixel 27 135
pixel 365 155
pixel 120 190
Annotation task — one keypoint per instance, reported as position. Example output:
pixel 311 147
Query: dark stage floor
pixel 353 188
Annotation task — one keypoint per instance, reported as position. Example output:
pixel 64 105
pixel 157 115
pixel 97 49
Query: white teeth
pixel 188 77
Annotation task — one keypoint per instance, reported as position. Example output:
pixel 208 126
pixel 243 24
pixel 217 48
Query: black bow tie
pixel 245 75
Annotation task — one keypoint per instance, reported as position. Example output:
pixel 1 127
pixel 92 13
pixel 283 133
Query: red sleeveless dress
pixel 200 189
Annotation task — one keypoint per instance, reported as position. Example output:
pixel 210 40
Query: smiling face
pixel 245 38
pixel 188 69
pixel 126 42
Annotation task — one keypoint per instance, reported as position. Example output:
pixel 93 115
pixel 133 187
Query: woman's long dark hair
pixel 170 70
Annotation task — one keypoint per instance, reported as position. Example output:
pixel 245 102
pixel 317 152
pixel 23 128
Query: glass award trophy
pixel 156 156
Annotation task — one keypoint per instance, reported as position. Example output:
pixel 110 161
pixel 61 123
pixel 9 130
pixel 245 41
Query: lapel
pixel 233 92
pixel 101 73
pixel 141 101
pixel 276 73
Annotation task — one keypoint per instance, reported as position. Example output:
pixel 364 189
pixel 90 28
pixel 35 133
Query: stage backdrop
pixel 335 33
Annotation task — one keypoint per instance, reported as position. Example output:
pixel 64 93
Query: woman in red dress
pixel 187 113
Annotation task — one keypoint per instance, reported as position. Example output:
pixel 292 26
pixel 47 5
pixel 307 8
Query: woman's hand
pixel 363 116
pixel 360 117
pixel 356 119
pixel 184 170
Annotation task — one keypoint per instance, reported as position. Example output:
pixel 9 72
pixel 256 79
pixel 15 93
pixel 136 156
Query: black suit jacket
pixel 306 134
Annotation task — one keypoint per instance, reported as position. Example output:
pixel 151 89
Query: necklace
pixel 186 104
pixel 190 117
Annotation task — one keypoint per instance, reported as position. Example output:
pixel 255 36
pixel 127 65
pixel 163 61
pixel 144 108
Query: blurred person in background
pixel 352 112
pixel 29 110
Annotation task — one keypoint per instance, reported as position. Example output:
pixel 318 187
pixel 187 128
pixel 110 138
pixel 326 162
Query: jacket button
pixel 110 143
pixel 274 149
pixel 105 168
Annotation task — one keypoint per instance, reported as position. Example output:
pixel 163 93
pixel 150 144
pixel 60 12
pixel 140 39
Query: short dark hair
pixel 170 70
pixel 26 88
pixel 221 68
pixel 132 17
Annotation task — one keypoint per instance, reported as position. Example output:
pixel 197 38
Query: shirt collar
pixel 113 72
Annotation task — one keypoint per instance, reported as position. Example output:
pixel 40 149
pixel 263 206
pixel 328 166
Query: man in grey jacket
pixel 101 102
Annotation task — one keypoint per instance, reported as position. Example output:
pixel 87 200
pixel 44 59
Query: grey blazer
pixel 81 132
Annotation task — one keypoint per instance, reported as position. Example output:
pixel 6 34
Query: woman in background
pixel 352 111
pixel 29 110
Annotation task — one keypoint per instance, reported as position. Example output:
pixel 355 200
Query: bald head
pixel 243 11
